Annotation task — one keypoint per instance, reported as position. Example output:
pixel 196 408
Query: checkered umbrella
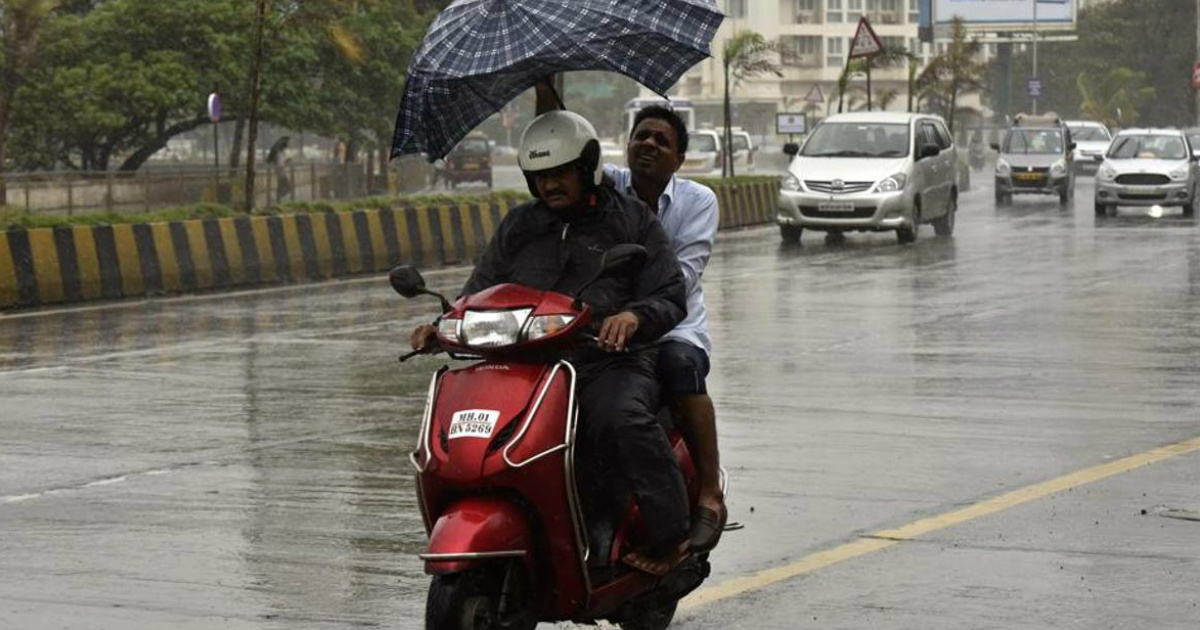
pixel 480 54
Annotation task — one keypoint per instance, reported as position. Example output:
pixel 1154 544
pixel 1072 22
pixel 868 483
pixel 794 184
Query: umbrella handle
pixel 546 91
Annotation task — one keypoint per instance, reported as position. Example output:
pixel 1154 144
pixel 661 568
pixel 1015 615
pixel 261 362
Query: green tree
pixel 1153 38
pixel 21 26
pixel 887 57
pixel 1116 98
pixel 116 83
pixel 954 73
pixel 746 54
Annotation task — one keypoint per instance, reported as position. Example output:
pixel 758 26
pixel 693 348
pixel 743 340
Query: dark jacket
pixel 553 251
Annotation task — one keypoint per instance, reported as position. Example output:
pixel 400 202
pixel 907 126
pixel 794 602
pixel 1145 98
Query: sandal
pixel 657 567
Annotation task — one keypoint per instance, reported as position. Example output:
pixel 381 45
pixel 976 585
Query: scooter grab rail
pixel 423 437
pixel 533 412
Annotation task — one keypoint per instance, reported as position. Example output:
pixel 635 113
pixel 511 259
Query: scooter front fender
pixel 476 530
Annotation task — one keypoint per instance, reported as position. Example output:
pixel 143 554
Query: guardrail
pixel 79 263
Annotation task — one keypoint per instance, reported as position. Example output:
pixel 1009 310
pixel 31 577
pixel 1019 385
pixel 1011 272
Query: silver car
pixel 1147 167
pixel 871 172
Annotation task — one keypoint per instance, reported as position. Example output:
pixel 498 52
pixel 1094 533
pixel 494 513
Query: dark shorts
pixel 682 368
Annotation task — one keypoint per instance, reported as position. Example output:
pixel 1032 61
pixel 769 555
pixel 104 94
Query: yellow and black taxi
pixel 1036 158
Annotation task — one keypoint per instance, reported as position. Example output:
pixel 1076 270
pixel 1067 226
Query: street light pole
pixel 1035 46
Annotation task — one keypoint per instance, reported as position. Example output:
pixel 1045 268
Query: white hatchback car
pixel 1091 139
pixel 873 172
pixel 1147 167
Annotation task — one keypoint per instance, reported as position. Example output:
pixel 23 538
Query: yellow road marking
pixel 886 538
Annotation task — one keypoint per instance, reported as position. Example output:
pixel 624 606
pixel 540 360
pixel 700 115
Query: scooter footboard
pixel 477 530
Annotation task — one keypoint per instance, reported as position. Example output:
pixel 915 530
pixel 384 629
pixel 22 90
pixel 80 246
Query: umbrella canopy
pixel 480 54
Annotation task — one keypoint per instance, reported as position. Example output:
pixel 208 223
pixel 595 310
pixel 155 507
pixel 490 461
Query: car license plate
pixel 477 423
pixel 841 208
pixel 471 167
pixel 1028 177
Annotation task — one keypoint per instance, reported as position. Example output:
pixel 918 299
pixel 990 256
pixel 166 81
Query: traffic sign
pixel 214 107
pixel 866 42
pixel 1034 87
pixel 815 95
pixel 1196 76
pixel 786 124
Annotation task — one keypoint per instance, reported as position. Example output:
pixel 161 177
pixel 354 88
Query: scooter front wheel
pixel 470 601
pixel 649 619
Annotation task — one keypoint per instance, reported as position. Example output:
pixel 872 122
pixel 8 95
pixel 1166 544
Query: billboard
pixel 1007 15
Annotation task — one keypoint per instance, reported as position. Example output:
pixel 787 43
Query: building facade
pixel 813 37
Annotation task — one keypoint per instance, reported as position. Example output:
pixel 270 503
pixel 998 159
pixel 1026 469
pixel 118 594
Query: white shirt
pixel 688 213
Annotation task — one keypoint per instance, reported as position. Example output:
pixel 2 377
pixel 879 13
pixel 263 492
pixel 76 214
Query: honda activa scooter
pixel 508 544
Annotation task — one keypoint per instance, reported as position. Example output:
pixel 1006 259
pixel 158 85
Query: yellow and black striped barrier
pixel 74 264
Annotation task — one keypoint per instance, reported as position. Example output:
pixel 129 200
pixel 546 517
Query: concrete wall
pixel 74 264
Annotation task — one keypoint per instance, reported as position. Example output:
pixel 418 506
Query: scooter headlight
pixel 546 325
pixel 493 329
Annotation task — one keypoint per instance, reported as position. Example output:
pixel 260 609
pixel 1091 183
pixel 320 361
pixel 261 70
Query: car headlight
pixel 892 184
pixel 1180 174
pixel 791 183
pixel 1058 169
pixel 1106 173
pixel 546 325
pixel 449 330
pixel 493 329
pixel 1003 169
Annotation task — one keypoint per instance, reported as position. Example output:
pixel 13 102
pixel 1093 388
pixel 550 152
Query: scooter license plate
pixel 476 423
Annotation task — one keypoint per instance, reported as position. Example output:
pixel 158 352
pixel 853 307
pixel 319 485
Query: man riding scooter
pixel 689 215
pixel 556 242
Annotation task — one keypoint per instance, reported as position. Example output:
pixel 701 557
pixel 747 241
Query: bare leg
pixel 697 420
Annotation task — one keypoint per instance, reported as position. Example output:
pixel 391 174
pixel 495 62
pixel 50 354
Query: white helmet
pixel 557 138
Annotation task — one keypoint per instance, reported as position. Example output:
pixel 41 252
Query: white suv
pixel 703 154
pixel 871 172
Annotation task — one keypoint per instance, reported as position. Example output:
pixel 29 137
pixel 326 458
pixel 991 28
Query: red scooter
pixel 508 545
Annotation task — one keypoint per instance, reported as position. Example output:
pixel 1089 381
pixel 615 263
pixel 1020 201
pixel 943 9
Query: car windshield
pixel 473 146
pixel 866 140
pixel 702 143
pixel 1194 140
pixel 740 143
pixel 1090 134
pixel 1148 146
pixel 1034 141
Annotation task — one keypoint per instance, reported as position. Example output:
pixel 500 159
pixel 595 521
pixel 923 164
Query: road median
pixel 66 263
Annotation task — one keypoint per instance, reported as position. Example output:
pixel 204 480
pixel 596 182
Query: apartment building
pixel 814 38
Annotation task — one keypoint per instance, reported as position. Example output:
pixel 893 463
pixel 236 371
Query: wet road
pixel 238 461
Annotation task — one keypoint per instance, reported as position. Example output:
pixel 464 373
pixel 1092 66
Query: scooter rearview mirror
pixel 622 258
pixel 407 281
pixel 619 259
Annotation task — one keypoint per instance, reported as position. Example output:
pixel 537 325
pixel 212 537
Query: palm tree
pixel 1116 98
pixel 21 24
pixel 954 72
pixel 745 55
pixel 887 57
